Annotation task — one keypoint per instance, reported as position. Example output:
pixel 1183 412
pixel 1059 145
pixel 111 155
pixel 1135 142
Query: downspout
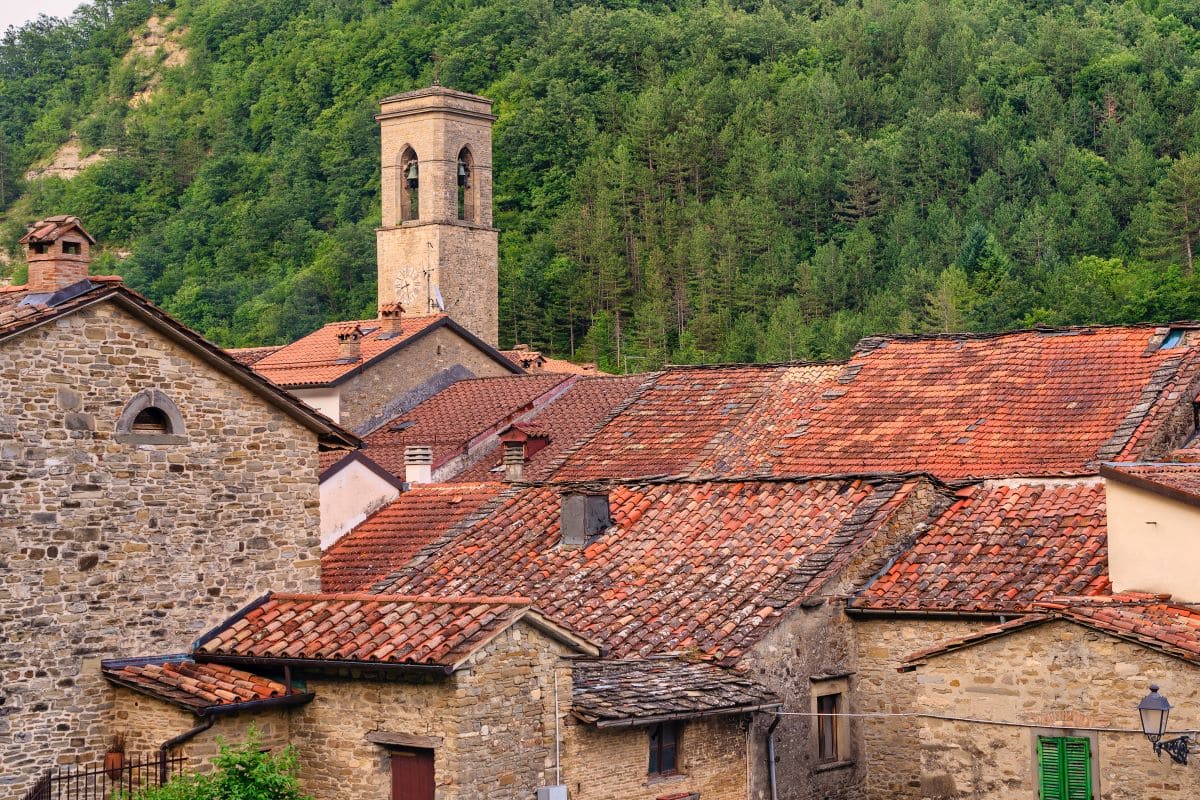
pixel 771 757
pixel 206 722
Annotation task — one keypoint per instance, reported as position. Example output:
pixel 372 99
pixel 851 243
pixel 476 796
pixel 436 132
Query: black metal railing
pixel 99 782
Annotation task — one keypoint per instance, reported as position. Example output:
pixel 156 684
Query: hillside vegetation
pixel 680 182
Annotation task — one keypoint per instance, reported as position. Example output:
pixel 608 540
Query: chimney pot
pixel 418 463
pixel 514 461
pixel 58 251
pixel 349 343
pixel 389 319
pixel 585 515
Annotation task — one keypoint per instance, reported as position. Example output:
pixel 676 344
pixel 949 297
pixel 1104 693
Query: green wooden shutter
pixel 1049 754
pixel 1077 769
pixel 1064 768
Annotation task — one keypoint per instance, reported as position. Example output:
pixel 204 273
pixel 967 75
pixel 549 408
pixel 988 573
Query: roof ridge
pixel 871 341
pixel 370 597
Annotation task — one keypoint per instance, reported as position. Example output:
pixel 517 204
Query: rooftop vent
pixel 418 463
pixel 585 515
pixel 514 460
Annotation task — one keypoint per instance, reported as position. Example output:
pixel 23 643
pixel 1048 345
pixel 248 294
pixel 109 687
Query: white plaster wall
pixel 348 497
pixel 1153 543
pixel 326 400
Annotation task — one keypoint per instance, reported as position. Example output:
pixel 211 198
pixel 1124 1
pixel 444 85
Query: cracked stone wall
pixel 116 549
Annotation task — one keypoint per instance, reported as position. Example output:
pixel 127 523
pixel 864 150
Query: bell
pixel 410 174
pixel 462 174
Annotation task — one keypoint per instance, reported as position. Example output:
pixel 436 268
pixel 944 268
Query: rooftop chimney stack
pixel 349 343
pixel 58 251
pixel 585 515
pixel 389 319
pixel 514 461
pixel 418 463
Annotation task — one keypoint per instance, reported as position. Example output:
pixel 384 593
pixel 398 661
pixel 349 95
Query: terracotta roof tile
pixel 633 691
pixel 682 418
pixel 565 420
pixel 1178 480
pixel 249 356
pixel 966 406
pixel 451 419
pixel 688 566
pixel 21 308
pixel 197 687
pixel 1025 403
pixel 394 630
pixel 313 360
pixel 999 548
pixel 387 539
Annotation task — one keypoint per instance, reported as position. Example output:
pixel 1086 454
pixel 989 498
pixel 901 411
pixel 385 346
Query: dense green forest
pixel 682 182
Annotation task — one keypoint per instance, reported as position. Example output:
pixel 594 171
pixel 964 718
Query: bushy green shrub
pixel 241 772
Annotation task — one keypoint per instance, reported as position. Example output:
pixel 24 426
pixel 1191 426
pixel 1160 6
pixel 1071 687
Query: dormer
pixel 58 251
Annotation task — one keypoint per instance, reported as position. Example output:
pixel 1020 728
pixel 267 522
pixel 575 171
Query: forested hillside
pixel 683 182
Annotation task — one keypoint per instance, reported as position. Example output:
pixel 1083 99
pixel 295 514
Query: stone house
pixel 1046 705
pixel 421 697
pixel 130 448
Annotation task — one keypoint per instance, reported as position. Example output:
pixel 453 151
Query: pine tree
pixel 1174 225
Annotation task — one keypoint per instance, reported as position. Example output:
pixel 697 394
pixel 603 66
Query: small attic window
pixel 72 248
pixel 39 248
pixel 1173 339
pixel 151 420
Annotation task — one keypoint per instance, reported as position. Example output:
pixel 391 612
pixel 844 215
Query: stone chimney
pixel 514 460
pixel 418 463
pixel 389 320
pixel 585 515
pixel 58 251
pixel 349 343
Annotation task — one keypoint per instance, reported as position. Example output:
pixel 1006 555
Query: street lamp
pixel 1154 710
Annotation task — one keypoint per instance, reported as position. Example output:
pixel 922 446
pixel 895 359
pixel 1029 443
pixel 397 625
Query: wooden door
pixel 412 775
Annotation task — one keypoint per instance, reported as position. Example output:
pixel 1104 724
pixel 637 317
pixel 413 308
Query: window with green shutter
pixel 1064 768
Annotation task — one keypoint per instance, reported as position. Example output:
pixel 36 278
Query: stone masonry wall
pixel 111 549
pixel 364 395
pixel 491 725
pixel 820 641
pixel 1057 676
pixel 886 744
pixel 147 723
pixel 602 764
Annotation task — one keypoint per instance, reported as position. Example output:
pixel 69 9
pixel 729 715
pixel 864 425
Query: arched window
pixel 409 186
pixel 466 186
pixel 151 418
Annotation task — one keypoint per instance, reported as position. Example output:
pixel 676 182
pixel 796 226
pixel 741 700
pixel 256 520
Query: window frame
pixel 842 755
pixel 656 748
pixel 143 400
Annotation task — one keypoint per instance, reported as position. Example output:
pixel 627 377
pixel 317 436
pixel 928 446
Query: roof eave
pixel 636 722
pixel 321 663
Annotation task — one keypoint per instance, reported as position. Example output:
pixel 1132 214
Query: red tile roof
pixel 1024 403
pixel 999 548
pixel 376 629
pixel 703 566
pixel 963 406
pixel 387 539
pixel 453 418
pixel 532 360
pixel 681 419
pixel 21 308
pixel 620 692
pixel 1147 620
pixel 196 687
pixel 1180 481
pixel 565 421
pixel 313 360
pixel 249 356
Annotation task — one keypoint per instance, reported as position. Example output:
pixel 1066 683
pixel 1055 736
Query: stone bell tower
pixel 437 249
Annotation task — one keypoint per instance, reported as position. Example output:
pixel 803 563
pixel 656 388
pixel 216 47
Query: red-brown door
pixel 412 775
